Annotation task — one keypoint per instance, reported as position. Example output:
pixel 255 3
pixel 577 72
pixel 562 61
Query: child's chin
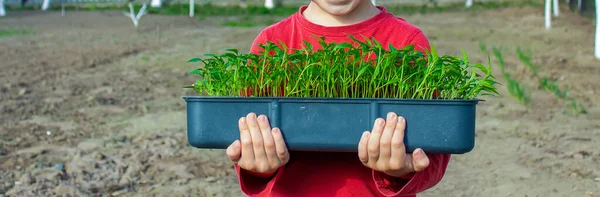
pixel 337 7
pixel 342 11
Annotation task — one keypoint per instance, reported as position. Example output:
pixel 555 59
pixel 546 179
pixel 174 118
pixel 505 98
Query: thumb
pixel 420 160
pixel 234 151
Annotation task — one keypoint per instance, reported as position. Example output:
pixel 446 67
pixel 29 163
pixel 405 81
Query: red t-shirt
pixel 340 174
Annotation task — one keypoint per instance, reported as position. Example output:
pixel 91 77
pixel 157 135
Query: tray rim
pixel 329 100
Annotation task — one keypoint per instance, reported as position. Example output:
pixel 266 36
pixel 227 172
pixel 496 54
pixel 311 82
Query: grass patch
pixel 208 9
pixel 73 7
pixel 458 7
pixel 249 21
pixel 9 32
pixel 239 24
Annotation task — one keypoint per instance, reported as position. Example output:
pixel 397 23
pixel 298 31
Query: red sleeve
pixel 420 41
pixel 420 181
pixel 255 185
pixel 260 39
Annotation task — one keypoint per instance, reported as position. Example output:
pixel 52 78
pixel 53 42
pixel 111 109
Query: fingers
pixel 362 148
pixel 257 138
pixel 269 143
pixel 246 140
pixel 383 149
pixel 262 149
pixel 386 137
pixel 375 136
pixel 234 152
pixel 420 160
pixel 280 147
pixel 397 142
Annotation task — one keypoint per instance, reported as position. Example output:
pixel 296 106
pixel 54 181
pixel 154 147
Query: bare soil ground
pixel 90 106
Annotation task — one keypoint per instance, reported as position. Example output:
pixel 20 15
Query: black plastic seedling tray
pixel 334 124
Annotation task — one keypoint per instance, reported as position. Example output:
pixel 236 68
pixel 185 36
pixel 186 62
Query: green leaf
pixel 482 68
pixel 235 51
pixel 392 48
pixel 344 45
pixel 465 57
pixel 211 55
pixel 194 60
pixel 196 72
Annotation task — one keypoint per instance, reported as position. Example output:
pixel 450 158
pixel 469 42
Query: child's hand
pixel 262 149
pixel 383 149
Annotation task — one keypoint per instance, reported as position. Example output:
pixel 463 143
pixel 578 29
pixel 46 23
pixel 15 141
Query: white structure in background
pixel 155 3
pixel 547 14
pixel 269 4
pixel 2 11
pixel 556 8
pixel 374 2
pixel 192 5
pixel 135 18
pixel 469 3
pixel 597 29
pixel 45 5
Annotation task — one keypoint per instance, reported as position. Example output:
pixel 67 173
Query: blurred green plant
pixel 520 93
pixel 550 85
pixel 8 32
pixel 515 89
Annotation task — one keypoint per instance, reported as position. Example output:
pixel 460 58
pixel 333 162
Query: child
pixel 382 167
